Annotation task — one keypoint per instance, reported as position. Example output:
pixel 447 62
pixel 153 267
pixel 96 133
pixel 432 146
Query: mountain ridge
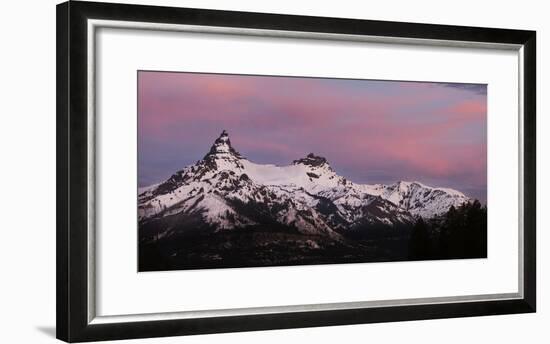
pixel 227 191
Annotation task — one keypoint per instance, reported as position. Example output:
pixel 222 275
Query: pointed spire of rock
pixel 222 147
pixel 224 136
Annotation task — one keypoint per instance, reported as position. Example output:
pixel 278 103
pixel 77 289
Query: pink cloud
pixel 425 129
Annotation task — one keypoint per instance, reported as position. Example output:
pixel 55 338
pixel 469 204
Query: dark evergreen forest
pixel 460 233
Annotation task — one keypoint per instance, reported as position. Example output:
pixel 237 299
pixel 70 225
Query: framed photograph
pixel 229 171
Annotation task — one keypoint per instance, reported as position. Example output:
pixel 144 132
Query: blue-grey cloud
pixel 480 89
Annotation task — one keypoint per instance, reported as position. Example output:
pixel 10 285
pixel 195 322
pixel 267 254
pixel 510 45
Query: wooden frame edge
pixel 71 275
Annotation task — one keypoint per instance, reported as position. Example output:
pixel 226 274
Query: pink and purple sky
pixel 370 131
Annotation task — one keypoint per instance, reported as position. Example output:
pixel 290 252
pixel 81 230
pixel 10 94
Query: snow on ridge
pixel 324 181
pixel 204 186
pixel 297 175
pixel 143 189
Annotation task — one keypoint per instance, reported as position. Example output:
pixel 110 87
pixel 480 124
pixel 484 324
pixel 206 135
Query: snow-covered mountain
pixel 224 191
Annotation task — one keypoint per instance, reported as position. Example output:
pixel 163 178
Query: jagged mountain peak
pixel 403 185
pixel 222 147
pixel 409 185
pixel 420 199
pixel 312 160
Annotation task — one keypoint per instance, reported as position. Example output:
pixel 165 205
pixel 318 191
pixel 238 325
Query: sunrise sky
pixel 370 131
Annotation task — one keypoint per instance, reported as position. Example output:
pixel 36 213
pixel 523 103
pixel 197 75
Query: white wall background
pixel 27 171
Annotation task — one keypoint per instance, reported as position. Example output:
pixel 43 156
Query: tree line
pixel 459 233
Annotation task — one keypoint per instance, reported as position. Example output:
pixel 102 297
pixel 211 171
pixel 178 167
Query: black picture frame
pixel 73 323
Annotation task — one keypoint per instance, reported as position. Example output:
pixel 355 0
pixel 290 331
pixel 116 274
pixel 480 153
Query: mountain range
pixel 307 194
pixel 225 193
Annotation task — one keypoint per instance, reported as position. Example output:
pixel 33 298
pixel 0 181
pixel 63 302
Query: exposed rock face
pixel 311 160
